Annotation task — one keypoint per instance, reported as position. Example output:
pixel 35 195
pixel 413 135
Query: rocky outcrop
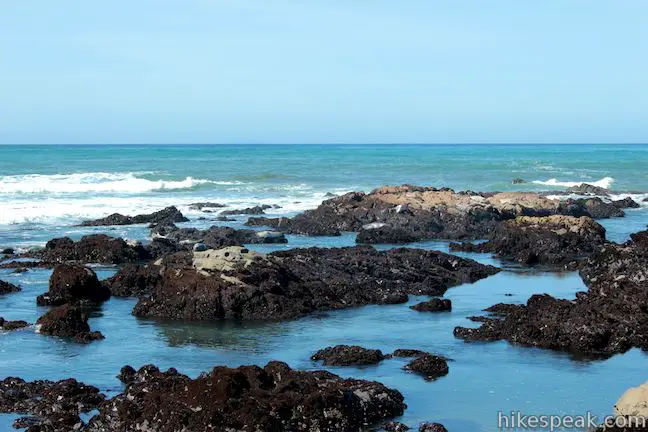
pixel 133 280
pixel 429 366
pixel 6 288
pixel 634 402
pixel 205 205
pixel 166 215
pixel 599 209
pixel 53 406
pixel 518 181
pixel 272 398
pixel 68 322
pixel 12 325
pixel 393 426
pixel 347 355
pixel 96 249
pixel 609 318
pixel 169 238
pixel 588 189
pixel 71 283
pixel 626 203
pixel 433 305
pixel 398 214
pixel 256 210
pixel 432 427
pixel 7 251
pixel 292 283
pixel 552 240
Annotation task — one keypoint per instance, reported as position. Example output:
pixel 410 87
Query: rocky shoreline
pixel 212 275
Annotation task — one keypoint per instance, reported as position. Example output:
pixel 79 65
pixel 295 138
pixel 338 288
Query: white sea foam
pixel 92 182
pixel 604 182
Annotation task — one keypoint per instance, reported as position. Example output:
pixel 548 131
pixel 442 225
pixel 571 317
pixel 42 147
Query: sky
pixel 323 71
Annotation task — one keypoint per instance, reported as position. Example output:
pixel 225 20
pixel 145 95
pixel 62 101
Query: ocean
pixel 45 191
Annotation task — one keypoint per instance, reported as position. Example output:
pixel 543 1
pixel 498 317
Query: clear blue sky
pixel 237 71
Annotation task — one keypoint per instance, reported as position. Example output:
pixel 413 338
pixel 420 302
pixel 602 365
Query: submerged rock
pixel 96 248
pixel 433 305
pixel 168 214
pixel 273 398
pixel 71 283
pixel 518 181
pixel 398 214
pixel 554 240
pixel 68 322
pixel 53 406
pixel 243 285
pixel 12 325
pixel 346 355
pixel 6 288
pixel 609 318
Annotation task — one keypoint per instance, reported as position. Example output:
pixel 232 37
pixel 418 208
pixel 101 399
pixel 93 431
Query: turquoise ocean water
pixel 46 190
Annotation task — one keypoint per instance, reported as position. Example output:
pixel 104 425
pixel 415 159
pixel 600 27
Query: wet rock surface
pixel 256 210
pixel 599 209
pixel 69 322
pixel 96 248
pixel 292 283
pixel 273 398
pixel 6 288
pixel 609 318
pixel 626 203
pixel 588 189
pixel 433 305
pixel 347 355
pixel 552 240
pixel 432 427
pixel 429 366
pixel 12 325
pixel 53 406
pixel 398 214
pixel 168 214
pixel 169 239
pixel 70 283
pixel 205 205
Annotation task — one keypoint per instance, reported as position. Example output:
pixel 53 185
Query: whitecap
pixel 605 182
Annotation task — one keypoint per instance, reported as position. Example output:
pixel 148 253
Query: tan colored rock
pixel 225 259
pixel 559 224
pixel 634 402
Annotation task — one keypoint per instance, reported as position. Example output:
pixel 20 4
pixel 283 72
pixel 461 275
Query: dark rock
pixel 12 325
pixel 405 352
pixel 168 214
pixel 413 213
pixel 204 205
pixel 626 203
pixel 7 251
pixel 20 270
pixel 429 366
pixel 610 318
pixel 433 305
pixel 346 355
pixel 133 280
pixel 6 288
pixel 588 189
pixel 551 240
pixel 256 210
pixel 599 209
pixel 54 406
pixel 386 234
pixel 71 283
pixel 295 282
pixel 432 427
pixel 273 398
pixel 68 322
pixel 393 426
pixel 518 181
pixel 225 219
pixel 177 239
pixel 96 248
